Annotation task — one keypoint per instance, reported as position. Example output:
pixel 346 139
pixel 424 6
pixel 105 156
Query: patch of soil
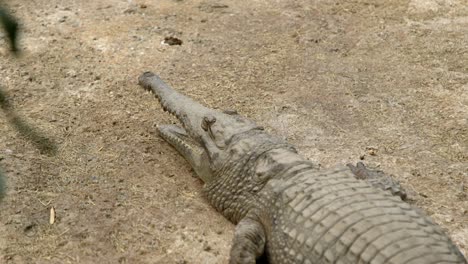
pixel 336 78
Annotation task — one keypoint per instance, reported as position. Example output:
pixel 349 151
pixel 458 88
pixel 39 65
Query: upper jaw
pixel 189 112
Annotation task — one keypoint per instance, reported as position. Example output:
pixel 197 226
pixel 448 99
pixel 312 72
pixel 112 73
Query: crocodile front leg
pixel 249 241
pixel 378 179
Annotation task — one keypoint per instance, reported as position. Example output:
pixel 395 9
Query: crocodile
pixel 286 209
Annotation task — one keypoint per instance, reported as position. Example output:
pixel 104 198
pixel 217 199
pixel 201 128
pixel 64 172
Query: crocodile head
pixel 204 134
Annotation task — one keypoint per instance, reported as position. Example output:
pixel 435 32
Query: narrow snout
pixel 189 112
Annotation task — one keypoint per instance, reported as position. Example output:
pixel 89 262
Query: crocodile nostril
pixel 207 122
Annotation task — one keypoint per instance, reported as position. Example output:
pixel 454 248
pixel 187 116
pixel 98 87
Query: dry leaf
pixel 52 216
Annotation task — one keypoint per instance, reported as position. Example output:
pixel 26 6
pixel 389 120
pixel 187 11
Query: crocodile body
pixel 285 208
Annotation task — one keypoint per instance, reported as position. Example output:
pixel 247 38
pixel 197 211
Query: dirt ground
pixel 384 81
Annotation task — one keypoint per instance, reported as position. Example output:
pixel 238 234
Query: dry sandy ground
pixel 339 79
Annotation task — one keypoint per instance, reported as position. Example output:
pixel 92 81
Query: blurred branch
pixel 2 185
pixel 11 29
pixel 10 26
pixel 44 144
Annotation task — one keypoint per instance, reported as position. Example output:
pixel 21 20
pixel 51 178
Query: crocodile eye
pixel 207 122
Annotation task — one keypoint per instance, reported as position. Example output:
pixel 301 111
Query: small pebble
pixel 371 151
pixel 171 41
pixel 206 247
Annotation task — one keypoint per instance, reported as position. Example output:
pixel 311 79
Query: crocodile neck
pixel 251 163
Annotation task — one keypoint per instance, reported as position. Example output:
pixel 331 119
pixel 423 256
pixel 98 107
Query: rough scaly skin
pixel 377 179
pixel 287 209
